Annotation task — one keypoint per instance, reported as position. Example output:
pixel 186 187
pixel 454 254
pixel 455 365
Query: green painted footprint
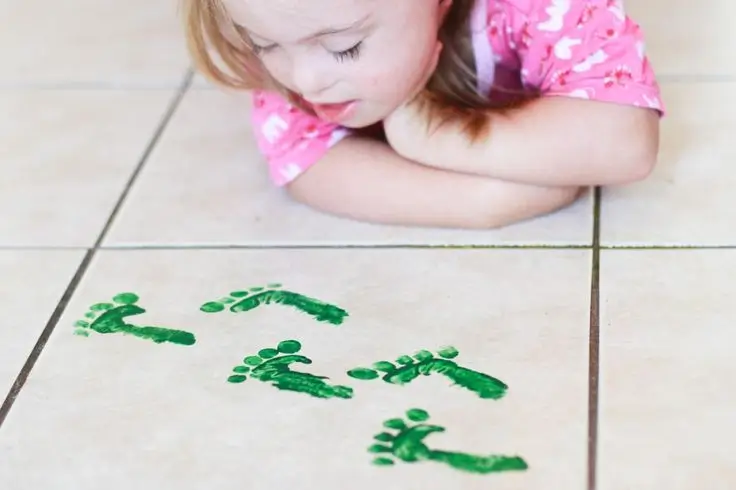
pixel 109 318
pixel 408 368
pixel 407 445
pixel 274 366
pixel 241 301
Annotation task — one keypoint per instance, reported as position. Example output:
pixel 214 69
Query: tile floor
pixel 591 349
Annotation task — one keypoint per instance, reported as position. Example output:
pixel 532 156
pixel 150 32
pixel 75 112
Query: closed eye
pixel 259 50
pixel 348 54
pixel 352 53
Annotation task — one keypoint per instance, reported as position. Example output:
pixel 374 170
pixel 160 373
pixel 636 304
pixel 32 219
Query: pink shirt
pixel 589 49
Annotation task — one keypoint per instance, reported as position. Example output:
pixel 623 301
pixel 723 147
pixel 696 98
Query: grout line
pixel 123 248
pixel 41 248
pixel 668 247
pixel 72 86
pixel 173 106
pixel 594 346
pixel 698 78
pixel 346 246
pixel 25 371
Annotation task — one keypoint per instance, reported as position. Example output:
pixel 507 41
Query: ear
pixel 444 9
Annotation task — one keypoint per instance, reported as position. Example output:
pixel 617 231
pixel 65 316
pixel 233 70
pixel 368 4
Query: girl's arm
pixel 597 121
pixel 552 141
pixel 366 180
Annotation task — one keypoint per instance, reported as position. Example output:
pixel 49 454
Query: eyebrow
pixel 325 32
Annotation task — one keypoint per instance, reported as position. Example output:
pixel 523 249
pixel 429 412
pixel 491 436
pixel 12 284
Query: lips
pixel 335 112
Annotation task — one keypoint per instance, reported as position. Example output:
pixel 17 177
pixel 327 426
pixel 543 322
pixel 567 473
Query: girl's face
pixel 367 56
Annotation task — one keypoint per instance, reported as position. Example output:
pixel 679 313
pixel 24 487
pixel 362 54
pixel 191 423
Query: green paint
pixel 407 369
pixel 274 366
pixel 109 318
pixel 407 445
pixel 241 301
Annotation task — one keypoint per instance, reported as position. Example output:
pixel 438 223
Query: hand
pixel 407 127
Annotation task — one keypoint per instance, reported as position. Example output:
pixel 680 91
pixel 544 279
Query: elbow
pixel 640 144
pixel 636 168
pixel 520 203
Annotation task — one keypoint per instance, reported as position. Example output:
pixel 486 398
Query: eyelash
pixel 349 54
pixel 341 56
pixel 259 50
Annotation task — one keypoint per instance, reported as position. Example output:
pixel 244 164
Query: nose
pixel 309 78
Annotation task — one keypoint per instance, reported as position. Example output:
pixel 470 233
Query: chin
pixel 360 121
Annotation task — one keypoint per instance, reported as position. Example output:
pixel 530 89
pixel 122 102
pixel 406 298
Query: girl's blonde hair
pixel 222 52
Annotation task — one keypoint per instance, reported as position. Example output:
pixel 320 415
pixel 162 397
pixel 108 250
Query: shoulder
pixel 583 48
pixel 555 17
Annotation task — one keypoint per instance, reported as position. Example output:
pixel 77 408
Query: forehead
pixel 293 19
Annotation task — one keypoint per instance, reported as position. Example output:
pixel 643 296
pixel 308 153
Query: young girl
pixel 446 113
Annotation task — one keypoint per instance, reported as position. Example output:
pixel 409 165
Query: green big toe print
pixel 109 318
pixel 407 445
pixel 424 363
pixel 274 366
pixel 247 300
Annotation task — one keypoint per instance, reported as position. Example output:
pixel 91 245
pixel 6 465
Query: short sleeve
pixel 589 49
pixel 290 139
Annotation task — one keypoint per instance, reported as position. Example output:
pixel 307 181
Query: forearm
pixel 553 141
pixel 366 180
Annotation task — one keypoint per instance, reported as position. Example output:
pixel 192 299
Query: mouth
pixel 336 112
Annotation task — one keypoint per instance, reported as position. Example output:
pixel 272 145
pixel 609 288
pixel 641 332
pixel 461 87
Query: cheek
pixel 278 68
pixel 381 87
pixel 390 78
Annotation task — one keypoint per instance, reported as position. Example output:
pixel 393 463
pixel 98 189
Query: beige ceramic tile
pixel 667 402
pixel 66 157
pixel 207 184
pixel 34 282
pixel 120 412
pixel 91 41
pixel 689 198
pixel 685 39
